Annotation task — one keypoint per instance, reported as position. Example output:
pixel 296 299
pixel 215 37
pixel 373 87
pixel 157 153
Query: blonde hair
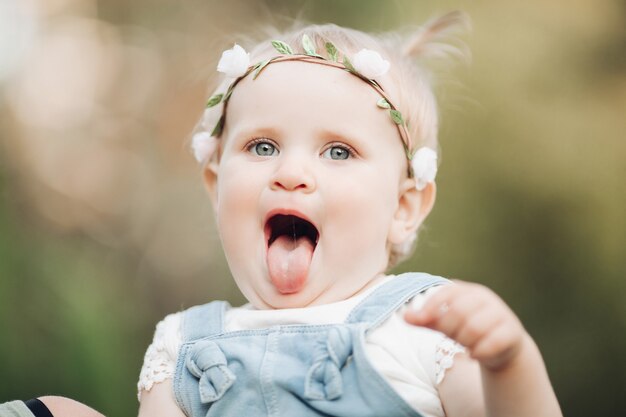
pixel 411 83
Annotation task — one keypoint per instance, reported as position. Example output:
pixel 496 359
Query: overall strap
pixel 203 321
pixel 390 296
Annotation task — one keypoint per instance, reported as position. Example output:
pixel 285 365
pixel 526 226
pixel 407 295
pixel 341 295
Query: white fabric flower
pixel 370 64
pixel 204 146
pixel 234 62
pixel 424 164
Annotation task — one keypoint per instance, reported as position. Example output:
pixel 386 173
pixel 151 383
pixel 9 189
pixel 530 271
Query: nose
pixel 293 173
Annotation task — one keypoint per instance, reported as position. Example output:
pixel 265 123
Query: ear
pixel 210 181
pixel 413 208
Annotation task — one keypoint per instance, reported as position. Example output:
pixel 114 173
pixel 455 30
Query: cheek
pixel 236 205
pixel 364 209
pixel 236 185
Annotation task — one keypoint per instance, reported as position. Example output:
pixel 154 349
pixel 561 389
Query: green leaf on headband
pixel 332 51
pixel 217 130
pixel 308 45
pixel 260 68
pixel 348 65
pixel 282 47
pixel 215 100
pixel 383 104
pixel 396 116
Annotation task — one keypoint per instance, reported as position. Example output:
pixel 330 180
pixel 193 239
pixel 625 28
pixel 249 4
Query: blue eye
pixel 337 153
pixel 263 148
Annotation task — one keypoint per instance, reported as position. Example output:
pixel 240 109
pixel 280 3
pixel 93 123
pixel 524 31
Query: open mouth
pixel 290 226
pixel 291 241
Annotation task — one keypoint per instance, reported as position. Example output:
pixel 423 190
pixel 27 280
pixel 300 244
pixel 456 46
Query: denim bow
pixel 208 363
pixel 323 381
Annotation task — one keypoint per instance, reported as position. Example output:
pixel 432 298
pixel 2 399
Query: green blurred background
pixel 105 227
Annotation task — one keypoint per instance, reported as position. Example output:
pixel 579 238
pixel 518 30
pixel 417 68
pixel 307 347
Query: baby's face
pixel 308 184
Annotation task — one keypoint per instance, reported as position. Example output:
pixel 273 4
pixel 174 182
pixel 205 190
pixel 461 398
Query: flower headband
pixel 366 65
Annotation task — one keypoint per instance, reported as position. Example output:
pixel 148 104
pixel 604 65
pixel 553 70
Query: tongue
pixel 288 262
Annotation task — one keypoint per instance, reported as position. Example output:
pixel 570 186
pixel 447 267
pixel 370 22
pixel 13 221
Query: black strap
pixel 38 408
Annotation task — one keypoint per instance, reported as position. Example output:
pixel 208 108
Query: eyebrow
pixel 251 131
pixel 350 137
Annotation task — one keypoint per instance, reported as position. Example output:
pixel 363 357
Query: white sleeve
pixel 159 363
pixel 444 347
pixel 444 356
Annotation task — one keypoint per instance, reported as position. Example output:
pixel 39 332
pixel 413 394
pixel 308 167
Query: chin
pixel 293 300
pixel 305 297
pixel 267 297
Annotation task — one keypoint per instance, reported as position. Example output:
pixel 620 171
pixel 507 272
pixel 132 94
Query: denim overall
pixel 293 370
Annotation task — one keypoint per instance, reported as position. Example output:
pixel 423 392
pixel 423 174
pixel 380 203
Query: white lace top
pixel 412 359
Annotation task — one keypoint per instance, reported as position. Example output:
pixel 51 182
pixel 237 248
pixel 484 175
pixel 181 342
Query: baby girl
pixel 319 152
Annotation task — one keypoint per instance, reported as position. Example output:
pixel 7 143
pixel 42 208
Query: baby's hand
pixel 475 317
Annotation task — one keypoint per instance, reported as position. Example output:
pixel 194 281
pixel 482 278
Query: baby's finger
pixel 498 346
pixel 433 307
pixel 440 304
pixel 477 326
pixel 452 318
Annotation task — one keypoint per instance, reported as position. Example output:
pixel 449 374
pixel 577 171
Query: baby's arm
pixel 62 406
pixel 514 379
pixel 159 401
pixel 156 393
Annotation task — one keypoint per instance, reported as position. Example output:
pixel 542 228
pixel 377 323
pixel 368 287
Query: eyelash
pixel 351 151
pixel 254 141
